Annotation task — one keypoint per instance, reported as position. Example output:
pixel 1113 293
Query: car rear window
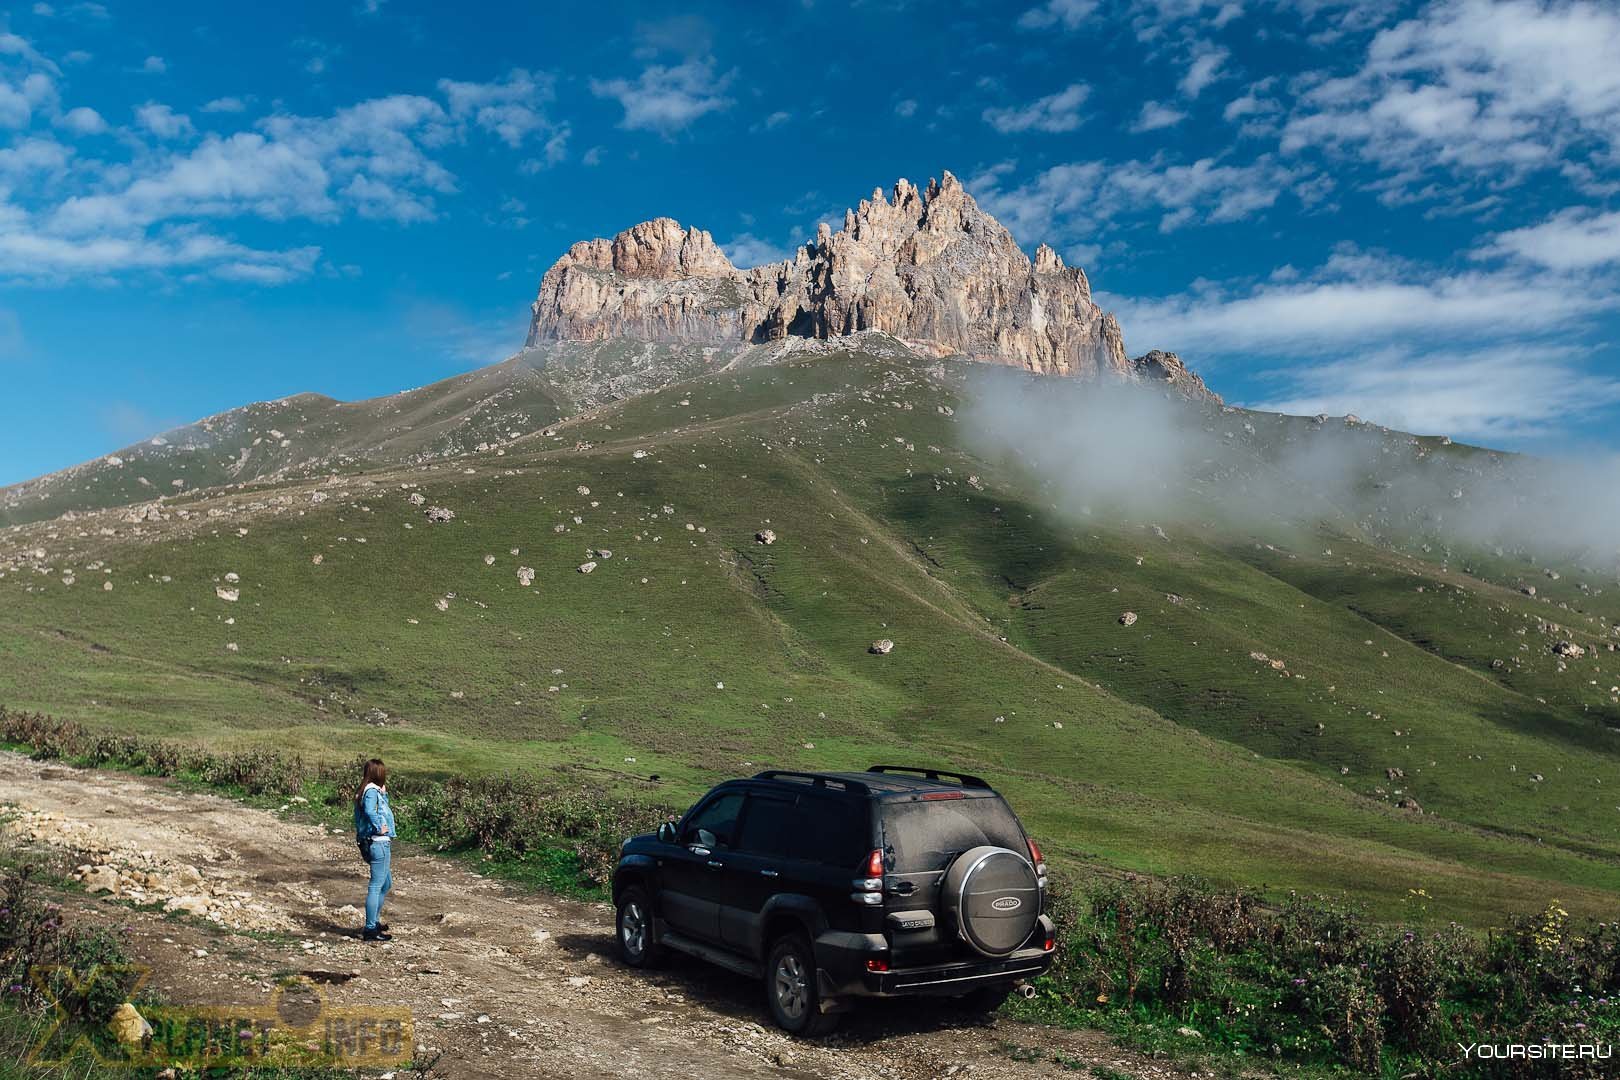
pixel 922 836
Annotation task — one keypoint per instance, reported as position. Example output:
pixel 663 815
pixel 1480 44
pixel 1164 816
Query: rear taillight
pixel 1051 943
pixel 877 965
pixel 869 889
pixel 1035 857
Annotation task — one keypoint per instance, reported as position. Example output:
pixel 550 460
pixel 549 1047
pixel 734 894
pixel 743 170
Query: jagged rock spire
pixel 928 266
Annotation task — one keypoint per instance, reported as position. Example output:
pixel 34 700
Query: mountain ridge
pixel 928 266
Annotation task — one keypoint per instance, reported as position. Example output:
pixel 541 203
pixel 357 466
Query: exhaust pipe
pixel 1024 989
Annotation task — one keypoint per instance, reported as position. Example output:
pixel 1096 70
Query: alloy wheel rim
pixel 633 929
pixel 792 990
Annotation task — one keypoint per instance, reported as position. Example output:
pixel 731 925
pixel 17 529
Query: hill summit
pixel 928 266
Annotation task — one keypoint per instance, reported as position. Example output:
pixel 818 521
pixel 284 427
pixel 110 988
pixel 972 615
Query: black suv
pixel 833 886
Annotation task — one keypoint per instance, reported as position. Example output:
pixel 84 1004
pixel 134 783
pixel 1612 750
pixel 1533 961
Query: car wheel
pixel 634 929
pixel 790 988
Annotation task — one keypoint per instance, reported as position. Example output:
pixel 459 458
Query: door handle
pixel 715 864
pixel 768 873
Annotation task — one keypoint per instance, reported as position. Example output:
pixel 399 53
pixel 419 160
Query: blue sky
pixel 1405 210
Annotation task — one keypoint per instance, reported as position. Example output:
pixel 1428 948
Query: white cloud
pixel 26 158
pixel 1572 239
pixel 154 65
pixel 1153 19
pixel 1068 14
pixel 28 254
pixel 163 121
pixel 82 120
pixel 1077 199
pixel 510 109
pixel 1053 113
pixel 1156 115
pixel 1356 301
pixel 1493 394
pixel 668 99
pixel 373 160
pixel 1488 87
pixel 225 105
pixel 747 250
pixel 777 119
pixel 1203 68
pixel 906 109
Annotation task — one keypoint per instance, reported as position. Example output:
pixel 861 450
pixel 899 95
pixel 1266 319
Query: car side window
pixel 715 825
pixel 774 826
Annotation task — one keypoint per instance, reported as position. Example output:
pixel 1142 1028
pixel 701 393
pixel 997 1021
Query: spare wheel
pixel 992 896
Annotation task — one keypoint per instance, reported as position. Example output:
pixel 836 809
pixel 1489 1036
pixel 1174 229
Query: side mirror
pixel 666 832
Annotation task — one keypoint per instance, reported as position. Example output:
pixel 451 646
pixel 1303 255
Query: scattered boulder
pixel 586 567
pixel 525 575
pixel 1128 619
pixel 99 879
pixel 766 536
pixel 439 514
pixel 128 1026
pixel 416 498
pixel 1569 650
pixel 1409 803
pixel 232 595
pixel 191 905
pixel 1394 773
pixel 882 647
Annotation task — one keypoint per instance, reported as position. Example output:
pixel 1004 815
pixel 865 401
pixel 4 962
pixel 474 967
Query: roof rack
pixel 959 779
pixel 815 779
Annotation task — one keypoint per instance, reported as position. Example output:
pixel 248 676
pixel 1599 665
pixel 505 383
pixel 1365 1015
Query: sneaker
pixel 382 926
pixel 378 934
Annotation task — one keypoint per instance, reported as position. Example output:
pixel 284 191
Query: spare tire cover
pixel 992 895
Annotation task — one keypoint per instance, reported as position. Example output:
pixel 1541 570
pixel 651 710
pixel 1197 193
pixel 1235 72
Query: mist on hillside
pixel 1142 455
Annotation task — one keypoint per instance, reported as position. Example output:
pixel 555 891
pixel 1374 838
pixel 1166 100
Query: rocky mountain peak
pixel 928 266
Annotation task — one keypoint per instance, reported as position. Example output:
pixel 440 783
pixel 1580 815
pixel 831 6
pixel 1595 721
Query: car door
pixel 690 876
pixel 763 863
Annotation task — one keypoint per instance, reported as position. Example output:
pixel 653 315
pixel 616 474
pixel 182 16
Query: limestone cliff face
pixel 927 266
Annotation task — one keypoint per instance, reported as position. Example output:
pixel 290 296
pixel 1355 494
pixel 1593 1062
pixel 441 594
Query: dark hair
pixel 373 772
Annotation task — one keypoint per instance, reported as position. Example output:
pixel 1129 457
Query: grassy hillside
pixel 693 652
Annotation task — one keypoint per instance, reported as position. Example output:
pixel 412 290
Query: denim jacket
pixel 372 817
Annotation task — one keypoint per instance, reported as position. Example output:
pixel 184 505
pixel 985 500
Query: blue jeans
pixel 382 879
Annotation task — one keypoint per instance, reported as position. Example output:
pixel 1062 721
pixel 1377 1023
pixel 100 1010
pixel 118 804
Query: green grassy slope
pixel 694 652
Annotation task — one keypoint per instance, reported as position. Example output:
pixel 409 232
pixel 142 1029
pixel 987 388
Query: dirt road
pixel 504 983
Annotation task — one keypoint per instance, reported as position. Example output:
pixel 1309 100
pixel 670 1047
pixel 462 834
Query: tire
pixel 790 988
pixel 633 930
pixel 985 1000
pixel 992 895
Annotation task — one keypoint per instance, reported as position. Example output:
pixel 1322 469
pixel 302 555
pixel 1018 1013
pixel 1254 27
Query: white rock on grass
pixel 1128 619
pixel 766 536
pixel 586 567
pixel 525 575
pixel 231 595
pixel 882 647
pixel 489 560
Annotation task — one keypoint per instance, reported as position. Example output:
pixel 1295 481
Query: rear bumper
pixel 842 971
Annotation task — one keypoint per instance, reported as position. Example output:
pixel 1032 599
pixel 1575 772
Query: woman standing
pixel 374 832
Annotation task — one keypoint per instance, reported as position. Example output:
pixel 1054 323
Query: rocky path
pixel 502 982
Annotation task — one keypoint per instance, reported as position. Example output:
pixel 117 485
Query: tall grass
pixel 1316 982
